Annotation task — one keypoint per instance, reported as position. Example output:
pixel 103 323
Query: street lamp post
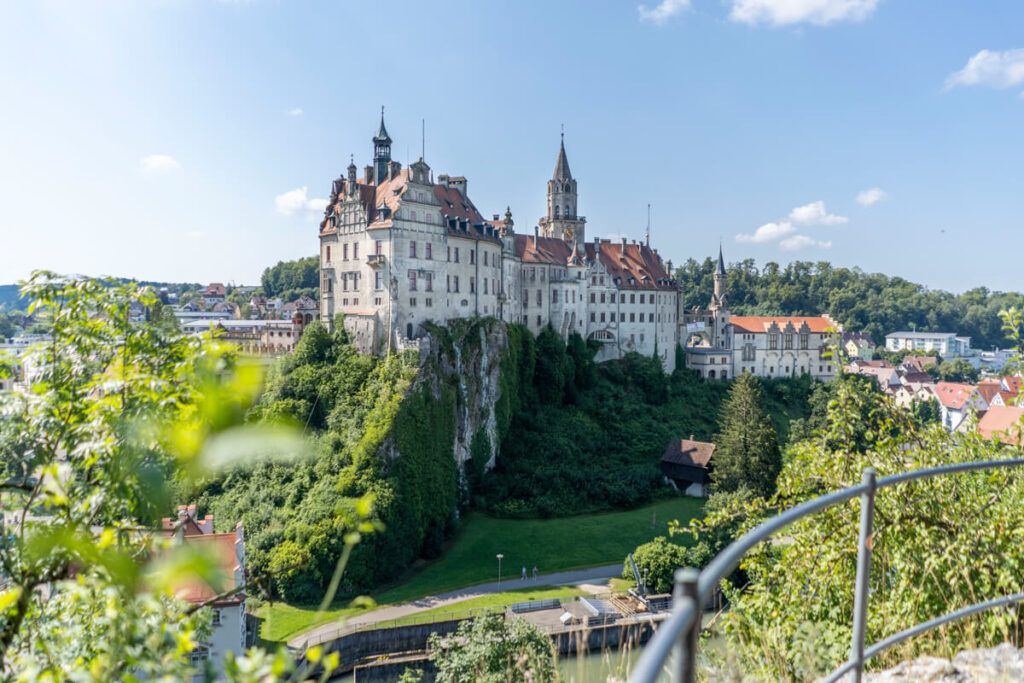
pixel 500 556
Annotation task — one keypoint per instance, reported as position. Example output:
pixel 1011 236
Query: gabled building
pixel 230 633
pixel 858 345
pixel 688 464
pixel 1005 423
pixel 956 402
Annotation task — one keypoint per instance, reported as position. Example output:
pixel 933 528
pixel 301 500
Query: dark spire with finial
pixel 721 262
pixel 382 134
pixel 562 165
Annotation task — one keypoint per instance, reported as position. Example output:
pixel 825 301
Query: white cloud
pixel 195 234
pixel 802 242
pixel 664 11
pixel 815 214
pixel 157 163
pixel 993 69
pixel 295 112
pixel 785 12
pixel 296 201
pixel 872 196
pixel 769 232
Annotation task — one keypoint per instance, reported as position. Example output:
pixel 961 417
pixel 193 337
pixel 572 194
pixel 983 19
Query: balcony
pixel 375 260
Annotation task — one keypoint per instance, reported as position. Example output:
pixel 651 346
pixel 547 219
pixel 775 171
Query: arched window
pixel 408 330
pixel 556 212
pixel 711 374
pixel 567 214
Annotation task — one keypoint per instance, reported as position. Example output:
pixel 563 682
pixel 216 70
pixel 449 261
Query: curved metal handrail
pixel 897 638
pixel 686 612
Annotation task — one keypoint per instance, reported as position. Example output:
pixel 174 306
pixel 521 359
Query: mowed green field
pixel 549 544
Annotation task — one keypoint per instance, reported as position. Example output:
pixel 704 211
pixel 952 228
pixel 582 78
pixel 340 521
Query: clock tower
pixel 562 221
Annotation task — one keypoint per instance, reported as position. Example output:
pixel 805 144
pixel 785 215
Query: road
pixel 575 577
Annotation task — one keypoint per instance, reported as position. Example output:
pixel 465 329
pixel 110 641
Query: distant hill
pixel 10 301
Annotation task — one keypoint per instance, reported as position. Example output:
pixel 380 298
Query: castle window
pixel 378 248
pixel 600 279
pixel 567 214
pixel 773 340
pixel 378 280
pixel 554 296
pixel 485 286
pixel 789 343
pixel 602 297
pixel 412 280
pixel 472 283
pixel 412 302
pixel 429 250
pixel 412 215
pixel 485 257
pixel 593 317
pixel 412 249
pixel 344 282
pixel 641 298
pixel 533 274
pixel 556 212
pixel 355 250
pixel 526 298
pixel 455 282
pixel 344 251
pixel 429 284
pixel 472 256
pixel 593 297
pixel 542 271
pixel 449 254
pixel 540 298
pixel 632 317
pixel 622 317
pixel 355 280
pixel 328 253
pixel 428 302
pixel 602 316
pixel 538 321
pixel 456 258
pixel 804 339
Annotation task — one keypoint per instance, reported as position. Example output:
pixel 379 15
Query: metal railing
pixel 678 635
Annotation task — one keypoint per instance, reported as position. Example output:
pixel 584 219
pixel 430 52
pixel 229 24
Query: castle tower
pixel 381 152
pixel 718 299
pixel 562 221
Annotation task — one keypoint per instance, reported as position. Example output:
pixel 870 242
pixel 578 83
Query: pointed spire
pixel 382 133
pixel 721 262
pixel 562 165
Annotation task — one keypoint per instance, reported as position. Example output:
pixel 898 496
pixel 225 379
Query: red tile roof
pixel 920 362
pixel 1014 383
pixel 222 546
pixel 1003 422
pixel 635 260
pixel 761 323
pixel 954 394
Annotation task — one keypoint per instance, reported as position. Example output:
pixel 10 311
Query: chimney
pixel 442 180
pixel 369 175
pixel 393 168
pixel 536 235
pixel 459 183
pixel 691 437
pixel 623 246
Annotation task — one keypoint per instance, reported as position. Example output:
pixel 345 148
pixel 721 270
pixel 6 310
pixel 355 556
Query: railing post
pixel 860 600
pixel 686 647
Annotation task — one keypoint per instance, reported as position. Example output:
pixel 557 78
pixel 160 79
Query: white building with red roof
pixel 228 614
pixel 399 250
pixel 957 401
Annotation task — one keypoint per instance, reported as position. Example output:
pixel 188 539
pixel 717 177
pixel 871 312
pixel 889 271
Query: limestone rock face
pixel 993 665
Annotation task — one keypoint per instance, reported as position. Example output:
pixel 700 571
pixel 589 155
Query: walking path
pixel 579 576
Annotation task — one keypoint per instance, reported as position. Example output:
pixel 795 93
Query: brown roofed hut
pixel 687 463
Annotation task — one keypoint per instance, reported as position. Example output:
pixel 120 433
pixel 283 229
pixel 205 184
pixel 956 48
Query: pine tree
pixel 747 453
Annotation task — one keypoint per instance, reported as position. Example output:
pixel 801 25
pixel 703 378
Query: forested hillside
pixel 572 436
pixel 868 302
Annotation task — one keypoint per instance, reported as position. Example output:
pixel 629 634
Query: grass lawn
pixel 499 600
pixel 551 544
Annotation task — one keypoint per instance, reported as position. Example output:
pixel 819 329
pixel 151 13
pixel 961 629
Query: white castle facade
pixel 399 249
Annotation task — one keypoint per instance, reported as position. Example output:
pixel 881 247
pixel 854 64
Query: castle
pixel 721 346
pixel 399 249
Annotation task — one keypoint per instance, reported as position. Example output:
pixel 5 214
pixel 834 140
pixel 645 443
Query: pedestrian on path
pixel 535 573
pixel 524 572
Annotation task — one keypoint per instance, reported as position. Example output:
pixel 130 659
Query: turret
pixel 719 298
pixel 381 152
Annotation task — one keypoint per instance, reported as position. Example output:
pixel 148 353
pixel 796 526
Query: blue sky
pixel 195 139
